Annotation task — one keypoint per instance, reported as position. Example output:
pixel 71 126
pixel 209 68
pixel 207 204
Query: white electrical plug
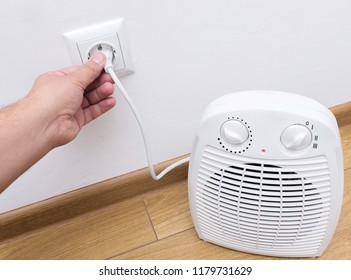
pixel 108 51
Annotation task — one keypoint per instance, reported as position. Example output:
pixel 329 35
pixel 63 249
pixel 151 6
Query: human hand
pixel 59 104
pixel 72 97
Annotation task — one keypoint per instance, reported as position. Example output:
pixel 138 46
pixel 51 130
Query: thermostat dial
pixel 296 137
pixel 234 132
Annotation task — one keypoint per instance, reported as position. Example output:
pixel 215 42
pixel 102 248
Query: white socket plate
pixel 79 42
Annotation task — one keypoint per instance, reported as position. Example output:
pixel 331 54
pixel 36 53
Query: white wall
pixel 186 53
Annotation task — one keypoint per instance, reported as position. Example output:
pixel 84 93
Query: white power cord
pixel 109 68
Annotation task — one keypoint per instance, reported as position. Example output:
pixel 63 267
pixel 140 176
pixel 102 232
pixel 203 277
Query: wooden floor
pixel 155 225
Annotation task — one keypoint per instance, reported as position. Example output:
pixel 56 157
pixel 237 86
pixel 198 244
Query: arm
pixel 59 104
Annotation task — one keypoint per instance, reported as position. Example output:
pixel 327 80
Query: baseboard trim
pixel 109 192
pixel 342 113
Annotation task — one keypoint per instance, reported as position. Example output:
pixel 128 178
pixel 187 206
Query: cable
pixel 110 69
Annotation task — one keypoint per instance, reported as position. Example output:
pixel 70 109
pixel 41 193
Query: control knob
pixel 296 137
pixel 234 132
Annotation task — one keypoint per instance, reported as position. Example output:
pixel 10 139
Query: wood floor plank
pixel 96 235
pixel 91 198
pixel 169 210
pixel 185 246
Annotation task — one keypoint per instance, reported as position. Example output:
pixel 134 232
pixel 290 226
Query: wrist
pixel 36 123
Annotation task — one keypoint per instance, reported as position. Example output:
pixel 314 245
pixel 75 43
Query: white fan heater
pixel 266 174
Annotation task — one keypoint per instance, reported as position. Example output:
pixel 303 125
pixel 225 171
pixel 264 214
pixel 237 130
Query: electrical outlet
pixel 80 42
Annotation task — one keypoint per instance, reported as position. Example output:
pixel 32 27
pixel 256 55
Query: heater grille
pixel 263 206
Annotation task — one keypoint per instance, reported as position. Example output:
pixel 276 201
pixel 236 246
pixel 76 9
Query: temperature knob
pixel 296 137
pixel 234 132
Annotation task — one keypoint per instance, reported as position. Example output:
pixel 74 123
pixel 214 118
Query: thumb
pixel 84 76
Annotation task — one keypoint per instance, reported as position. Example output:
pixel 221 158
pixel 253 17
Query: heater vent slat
pixel 252 204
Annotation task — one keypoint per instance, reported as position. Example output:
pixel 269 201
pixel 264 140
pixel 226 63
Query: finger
pixel 91 70
pixel 96 110
pixel 65 71
pixel 98 94
pixel 103 78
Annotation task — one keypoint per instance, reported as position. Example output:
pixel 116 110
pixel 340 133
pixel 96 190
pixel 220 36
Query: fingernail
pixel 98 57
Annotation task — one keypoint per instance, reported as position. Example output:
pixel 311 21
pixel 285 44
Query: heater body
pixel 266 174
